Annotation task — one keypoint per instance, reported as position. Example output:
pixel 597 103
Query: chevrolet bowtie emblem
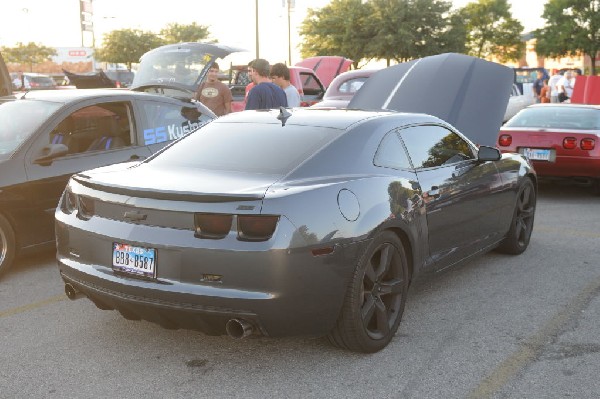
pixel 135 216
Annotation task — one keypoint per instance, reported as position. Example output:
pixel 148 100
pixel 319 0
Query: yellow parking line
pixel 533 347
pixel 31 306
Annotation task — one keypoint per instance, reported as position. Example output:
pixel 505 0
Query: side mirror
pixel 50 152
pixel 488 154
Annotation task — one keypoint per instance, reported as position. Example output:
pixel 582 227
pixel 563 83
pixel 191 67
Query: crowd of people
pixel 555 89
pixel 270 88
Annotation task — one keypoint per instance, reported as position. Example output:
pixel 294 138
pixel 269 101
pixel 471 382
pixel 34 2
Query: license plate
pixel 134 260
pixel 537 154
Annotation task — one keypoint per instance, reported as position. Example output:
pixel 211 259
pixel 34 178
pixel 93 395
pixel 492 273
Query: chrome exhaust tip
pixel 72 293
pixel 239 328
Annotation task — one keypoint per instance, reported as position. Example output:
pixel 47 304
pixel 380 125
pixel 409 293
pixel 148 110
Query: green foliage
pixel 572 27
pixel 29 53
pixel 176 33
pixel 126 46
pixel 339 28
pixel 382 29
pixel 492 31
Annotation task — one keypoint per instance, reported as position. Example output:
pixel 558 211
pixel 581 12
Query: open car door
pixel 469 93
pixel 5 82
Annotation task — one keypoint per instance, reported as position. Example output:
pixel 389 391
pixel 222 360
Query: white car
pixel 516 102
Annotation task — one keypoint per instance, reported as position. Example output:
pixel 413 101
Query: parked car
pixel 47 135
pixel 561 140
pixel 122 78
pixel 32 81
pixel 304 221
pixel 343 87
pixel 327 67
pixel 517 102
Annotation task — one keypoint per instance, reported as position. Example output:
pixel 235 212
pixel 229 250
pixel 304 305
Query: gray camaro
pixel 303 222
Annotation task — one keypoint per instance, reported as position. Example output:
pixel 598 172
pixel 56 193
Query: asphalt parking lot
pixel 496 327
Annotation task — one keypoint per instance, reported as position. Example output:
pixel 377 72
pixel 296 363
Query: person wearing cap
pixel 280 75
pixel 265 94
pixel 215 94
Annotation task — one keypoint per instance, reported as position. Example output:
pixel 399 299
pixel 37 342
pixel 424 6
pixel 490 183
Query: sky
pixel 55 23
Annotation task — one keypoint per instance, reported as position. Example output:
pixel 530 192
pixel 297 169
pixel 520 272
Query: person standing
pixel 552 84
pixel 537 86
pixel 545 92
pixel 280 75
pixel 215 94
pixel 565 88
pixel 265 94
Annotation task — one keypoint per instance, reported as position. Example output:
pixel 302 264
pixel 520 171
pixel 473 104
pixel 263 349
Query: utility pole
pixel 257 45
pixel 289 4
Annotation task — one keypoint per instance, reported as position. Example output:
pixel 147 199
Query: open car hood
pixel 178 67
pixel 89 80
pixel 5 82
pixel 326 67
pixel 469 93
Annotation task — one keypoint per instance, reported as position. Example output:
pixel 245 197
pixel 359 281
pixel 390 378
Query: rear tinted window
pixel 254 148
pixel 557 118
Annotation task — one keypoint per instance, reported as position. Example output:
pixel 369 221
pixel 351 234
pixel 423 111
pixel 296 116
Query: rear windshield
pixel 557 118
pixel 254 148
pixel 19 119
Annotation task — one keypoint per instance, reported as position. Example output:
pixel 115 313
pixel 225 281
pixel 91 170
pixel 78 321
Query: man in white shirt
pixel 552 83
pixel 565 87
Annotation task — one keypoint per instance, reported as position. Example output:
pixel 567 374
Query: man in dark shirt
pixel 537 86
pixel 265 94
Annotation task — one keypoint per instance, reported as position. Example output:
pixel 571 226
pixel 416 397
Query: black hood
pixel 469 93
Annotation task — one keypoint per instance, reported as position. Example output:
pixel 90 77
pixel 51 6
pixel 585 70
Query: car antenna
pixel 283 116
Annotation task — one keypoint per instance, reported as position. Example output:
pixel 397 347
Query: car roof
pixel 322 117
pixel 454 87
pixel 73 95
pixel 563 105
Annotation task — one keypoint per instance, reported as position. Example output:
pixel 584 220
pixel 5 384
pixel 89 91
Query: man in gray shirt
pixel 280 75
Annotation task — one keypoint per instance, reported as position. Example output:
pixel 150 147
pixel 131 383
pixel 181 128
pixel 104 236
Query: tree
pixel 29 53
pixel 492 31
pixel 409 29
pixel 338 28
pixel 176 33
pixel 126 46
pixel 572 27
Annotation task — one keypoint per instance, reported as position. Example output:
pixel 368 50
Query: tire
pixel 375 298
pixel 521 226
pixel 7 245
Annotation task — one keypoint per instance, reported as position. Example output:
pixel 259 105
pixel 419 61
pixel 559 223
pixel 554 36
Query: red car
pixel 561 140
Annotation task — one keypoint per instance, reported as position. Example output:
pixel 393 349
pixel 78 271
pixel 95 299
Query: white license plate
pixel 130 259
pixel 537 154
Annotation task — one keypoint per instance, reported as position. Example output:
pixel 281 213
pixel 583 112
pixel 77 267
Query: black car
pixel 305 221
pixel 46 136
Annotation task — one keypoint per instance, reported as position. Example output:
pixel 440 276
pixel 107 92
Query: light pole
pixel 257 45
pixel 289 4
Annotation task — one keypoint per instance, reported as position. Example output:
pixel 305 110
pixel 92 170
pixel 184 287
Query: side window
pixel 166 122
pixel 310 85
pixel 391 153
pixel 98 127
pixel 430 146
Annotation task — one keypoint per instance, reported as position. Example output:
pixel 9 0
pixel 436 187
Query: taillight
pixel 587 144
pixel 505 140
pixel 256 227
pixel 86 207
pixel 212 225
pixel 69 201
pixel 569 143
pixel 304 104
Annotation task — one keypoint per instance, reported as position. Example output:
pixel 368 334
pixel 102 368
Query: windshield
pixel 254 148
pixel 557 118
pixel 18 120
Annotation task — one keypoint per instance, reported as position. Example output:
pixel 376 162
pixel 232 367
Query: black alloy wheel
pixel 375 299
pixel 521 227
